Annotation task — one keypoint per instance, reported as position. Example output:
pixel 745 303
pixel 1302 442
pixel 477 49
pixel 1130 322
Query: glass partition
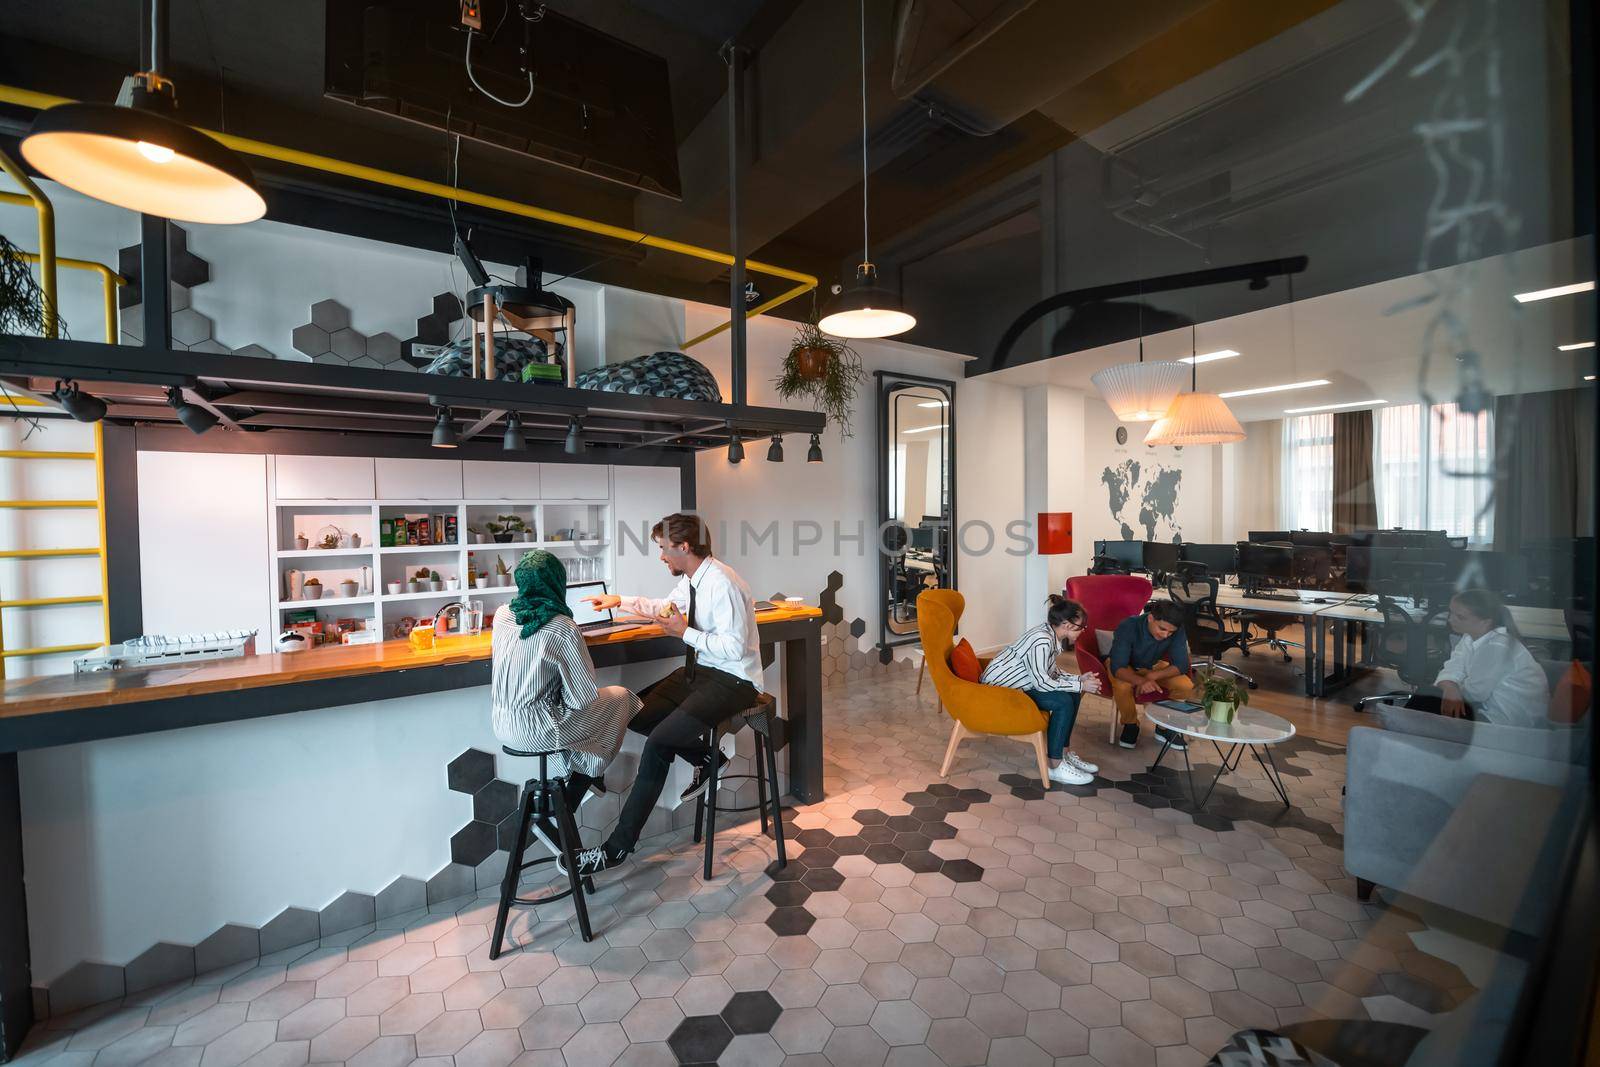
pixel 916 469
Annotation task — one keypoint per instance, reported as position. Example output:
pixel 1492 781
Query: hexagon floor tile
pixel 967 920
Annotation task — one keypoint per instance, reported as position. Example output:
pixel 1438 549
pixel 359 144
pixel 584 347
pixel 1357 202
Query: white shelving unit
pixel 587 507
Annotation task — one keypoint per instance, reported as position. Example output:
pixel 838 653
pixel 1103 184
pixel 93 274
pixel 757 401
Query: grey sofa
pixel 1469 816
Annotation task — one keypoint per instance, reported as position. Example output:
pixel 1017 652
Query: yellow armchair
pixel 975 707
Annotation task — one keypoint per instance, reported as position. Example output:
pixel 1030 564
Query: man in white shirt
pixel 711 610
pixel 1490 674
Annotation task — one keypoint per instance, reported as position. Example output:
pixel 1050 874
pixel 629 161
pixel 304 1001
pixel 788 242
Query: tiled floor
pixel 972 920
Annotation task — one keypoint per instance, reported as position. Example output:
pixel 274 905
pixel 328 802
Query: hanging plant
pixel 22 301
pixel 825 371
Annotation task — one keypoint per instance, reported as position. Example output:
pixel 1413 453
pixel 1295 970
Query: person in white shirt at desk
pixel 1490 675
pixel 712 611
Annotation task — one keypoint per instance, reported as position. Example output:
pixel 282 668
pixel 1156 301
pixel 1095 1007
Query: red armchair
pixel 1108 599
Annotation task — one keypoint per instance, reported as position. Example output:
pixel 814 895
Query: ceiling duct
pixel 983 65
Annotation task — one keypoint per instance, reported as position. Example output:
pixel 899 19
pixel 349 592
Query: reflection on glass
pixel 917 457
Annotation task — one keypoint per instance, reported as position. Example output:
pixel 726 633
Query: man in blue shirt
pixel 1149 654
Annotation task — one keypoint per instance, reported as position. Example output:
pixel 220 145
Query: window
pixel 1308 472
pixel 1432 467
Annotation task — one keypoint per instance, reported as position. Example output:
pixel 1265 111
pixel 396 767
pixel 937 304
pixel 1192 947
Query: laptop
pixel 591 621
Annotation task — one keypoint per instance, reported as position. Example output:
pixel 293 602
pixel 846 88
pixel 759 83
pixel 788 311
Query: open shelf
pixel 493 590
pixel 397 549
pixel 306 553
pixel 453 594
pixel 326 600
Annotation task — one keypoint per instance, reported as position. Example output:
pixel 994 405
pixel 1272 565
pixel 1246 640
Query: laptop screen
pixel 582 613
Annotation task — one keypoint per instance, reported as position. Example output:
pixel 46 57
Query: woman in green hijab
pixel 543 690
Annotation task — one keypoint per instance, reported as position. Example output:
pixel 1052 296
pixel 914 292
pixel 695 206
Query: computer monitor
pixel 582 613
pixel 922 538
pixel 1321 538
pixel 1161 557
pixel 1261 564
pixel 1218 560
pixel 1261 537
pixel 1129 553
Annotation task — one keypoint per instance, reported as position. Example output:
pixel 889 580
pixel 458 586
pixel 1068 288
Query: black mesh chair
pixel 1108 565
pixel 1204 627
pixel 1413 646
pixel 1271 624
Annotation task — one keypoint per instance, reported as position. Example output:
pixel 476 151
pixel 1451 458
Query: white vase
pixel 394 588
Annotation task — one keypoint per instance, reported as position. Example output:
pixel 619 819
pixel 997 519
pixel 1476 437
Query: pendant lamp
pixel 1196 418
pixel 1140 392
pixel 864 308
pixel 137 155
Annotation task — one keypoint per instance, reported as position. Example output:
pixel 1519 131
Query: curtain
pixel 1307 473
pixel 1538 484
pixel 1433 470
pixel 1355 505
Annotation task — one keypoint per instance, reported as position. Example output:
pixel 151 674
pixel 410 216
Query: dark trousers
pixel 1062 707
pixel 1426 700
pixel 679 718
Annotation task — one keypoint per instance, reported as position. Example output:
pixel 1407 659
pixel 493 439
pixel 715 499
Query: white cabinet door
pixel 487 479
pixel 644 496
pixel 324 477
pixel 575 481
pixel 419 479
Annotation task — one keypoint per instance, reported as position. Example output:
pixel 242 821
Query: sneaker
pixel 1130 735
pixel 1172 740
pixel 701 778
pixel 1067 774
pixel 592 860
pixel 1082 764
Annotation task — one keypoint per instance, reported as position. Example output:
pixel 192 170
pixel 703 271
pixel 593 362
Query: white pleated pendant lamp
pixel 1140 392
pixel 1196 418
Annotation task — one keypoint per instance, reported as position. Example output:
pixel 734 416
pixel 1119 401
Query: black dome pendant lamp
pixel 137 155
pixel 864 308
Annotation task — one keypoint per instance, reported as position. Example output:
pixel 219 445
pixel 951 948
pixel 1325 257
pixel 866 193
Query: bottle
pixel 472 572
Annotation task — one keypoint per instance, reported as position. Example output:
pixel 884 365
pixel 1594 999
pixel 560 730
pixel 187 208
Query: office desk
pixel 1304 607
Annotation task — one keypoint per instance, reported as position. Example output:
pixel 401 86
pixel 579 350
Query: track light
pixel 775 450
pixel 514 441
pixel 78 404
pixel 574 446
pixel 814 453
pixel 195 417
pixel 444 430
pixel 735 450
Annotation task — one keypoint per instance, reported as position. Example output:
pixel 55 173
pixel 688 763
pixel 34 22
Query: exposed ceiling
pixel 1017 147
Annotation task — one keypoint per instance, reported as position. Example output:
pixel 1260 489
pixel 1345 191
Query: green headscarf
pixel 541 591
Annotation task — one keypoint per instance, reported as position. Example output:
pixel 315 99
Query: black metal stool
pixel 544 806
pixel 758 717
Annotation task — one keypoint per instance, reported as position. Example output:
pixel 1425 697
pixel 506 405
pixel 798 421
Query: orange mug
pixel 422 636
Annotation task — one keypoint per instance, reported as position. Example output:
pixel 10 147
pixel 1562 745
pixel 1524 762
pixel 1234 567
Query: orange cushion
pixel 1570 702
pixel 964 662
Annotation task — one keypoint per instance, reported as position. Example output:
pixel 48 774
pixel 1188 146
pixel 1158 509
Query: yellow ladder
pixel 47 259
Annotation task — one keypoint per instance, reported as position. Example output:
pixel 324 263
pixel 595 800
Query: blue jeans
pixel 1062 707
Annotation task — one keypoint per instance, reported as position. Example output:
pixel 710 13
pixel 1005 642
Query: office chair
pixel 1271 623
pixel 1109 565
pixel 1580 631
pixel 1413 647
pixel 1203 625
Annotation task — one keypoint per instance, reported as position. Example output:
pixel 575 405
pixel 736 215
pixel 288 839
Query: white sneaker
pixel 1067 774
pixel 1081 763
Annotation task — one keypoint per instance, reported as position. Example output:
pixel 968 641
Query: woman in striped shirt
pixel 543 692
pixel 1029 664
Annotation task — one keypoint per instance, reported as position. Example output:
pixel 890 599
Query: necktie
pixel 690 656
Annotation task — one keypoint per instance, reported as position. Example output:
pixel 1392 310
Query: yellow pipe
pixel 100 500
pixel 47 553
pixel 50 601
pixel 47 238
pixel 781 298
pixel 53 650
pixel 36 504
pixel 23 453
pixel 7 400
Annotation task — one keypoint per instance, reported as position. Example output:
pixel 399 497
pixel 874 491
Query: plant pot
pixel 394 588
pixel 435 587
pixel 302 543
pixel 502 580
pixel 355 540
pixel 502 539
pixel 452 584
pixel 812 362
pixel 311 592
pixel 1222 711
pixel 479 539
pixel 413 586
pixel 348 589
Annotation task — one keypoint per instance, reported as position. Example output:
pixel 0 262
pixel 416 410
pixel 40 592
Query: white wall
pixel 1194 516
pixel 1249 495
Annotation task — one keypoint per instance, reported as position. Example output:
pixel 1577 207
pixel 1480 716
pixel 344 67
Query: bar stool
pixel 759 717
pixel 545 811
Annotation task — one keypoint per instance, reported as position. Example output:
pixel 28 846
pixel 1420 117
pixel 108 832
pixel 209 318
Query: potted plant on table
pixel 825 371
pixel 1223 694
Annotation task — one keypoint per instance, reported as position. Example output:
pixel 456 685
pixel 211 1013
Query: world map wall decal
pixel 1147 494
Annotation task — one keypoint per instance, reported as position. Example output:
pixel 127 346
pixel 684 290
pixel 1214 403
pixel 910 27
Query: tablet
pixel 1181 705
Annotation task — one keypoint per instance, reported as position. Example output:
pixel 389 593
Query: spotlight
pixel 814 453
pixel 514 441
pixel 775 450
pixel 78 404
pixel 574 446
pixel 735 450
pixel 195 417
pixel 444 430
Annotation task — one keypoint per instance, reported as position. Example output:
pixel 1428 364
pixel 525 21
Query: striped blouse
pixel 544 697
pixel 1029 662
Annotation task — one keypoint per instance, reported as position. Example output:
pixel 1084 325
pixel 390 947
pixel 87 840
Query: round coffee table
pixel 1250 729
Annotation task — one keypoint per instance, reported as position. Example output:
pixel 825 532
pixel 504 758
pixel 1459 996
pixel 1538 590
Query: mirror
pixel 916 497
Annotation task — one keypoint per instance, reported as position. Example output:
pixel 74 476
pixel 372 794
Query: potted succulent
pixel 435 584
pixel 312 590
pixel 1223 694
pixel 478 536
pixel 502 575
pixel 394 587
pixel 498 531
pixel 301 542
pixel 452 584
pixel 825 371
pixel 414 583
